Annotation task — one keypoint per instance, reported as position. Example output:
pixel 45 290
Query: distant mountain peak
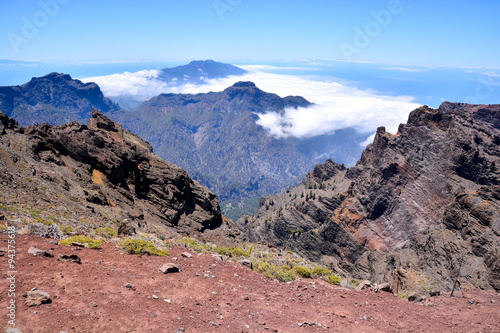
pixel 197 71
pixel 241 84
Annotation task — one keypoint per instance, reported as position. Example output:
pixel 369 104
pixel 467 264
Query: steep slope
pixel 83 177
pixel 55 99
pixel 418 206
pixel 198 71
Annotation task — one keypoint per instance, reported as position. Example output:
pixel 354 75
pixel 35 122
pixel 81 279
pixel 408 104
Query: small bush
pixel 303 272
pixel 44 221
pixel 273 272
pixel 65 229
pixel 404 296
pixel 320 271
pixel 92 243
pixel 141 246
pixel 106 233
pixel 355 282
pixel 334 279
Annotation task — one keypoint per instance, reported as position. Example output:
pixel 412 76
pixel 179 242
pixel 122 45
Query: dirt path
pixel 210 295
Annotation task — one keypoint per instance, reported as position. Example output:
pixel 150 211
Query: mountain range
pixel 213 136
pixel 420 208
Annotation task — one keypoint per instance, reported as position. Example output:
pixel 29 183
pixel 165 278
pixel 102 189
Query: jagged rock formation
pixel 418 206
pixel 55 99
pixel 99 175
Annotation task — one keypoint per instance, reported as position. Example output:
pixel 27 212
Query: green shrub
pixel 106 233
pixel 303 272
pixel 92 243
pixel 141 246
pixel 355 282
pixel 65 229
pixel 404 296
pixel 273 271
pixel 333 279
pixel 320 271
pixel 44 221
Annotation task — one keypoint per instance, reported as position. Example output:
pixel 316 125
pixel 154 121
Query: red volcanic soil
pixel 210 295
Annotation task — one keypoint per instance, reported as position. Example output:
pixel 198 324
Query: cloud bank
pixel 336 106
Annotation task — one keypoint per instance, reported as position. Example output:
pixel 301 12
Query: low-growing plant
pixel 65 229
pixel 43 221
pixel 320 271
pixel 92 243
pixel 404 296
pixel 106 232
pixel 141 246
pixel 355 282
pixel 334 279
pixel 303 272
pixel 273 271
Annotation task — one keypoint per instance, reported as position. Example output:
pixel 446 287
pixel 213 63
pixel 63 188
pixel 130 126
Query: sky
pixel 406 32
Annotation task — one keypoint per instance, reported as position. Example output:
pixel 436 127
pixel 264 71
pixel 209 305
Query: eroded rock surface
pixel 419 206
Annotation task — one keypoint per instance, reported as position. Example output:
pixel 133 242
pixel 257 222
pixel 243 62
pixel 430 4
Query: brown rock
pixel 384 287
pixel 37 297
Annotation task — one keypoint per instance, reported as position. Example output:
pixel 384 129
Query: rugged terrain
pixel 420 207
pixel 213 136
pixel 99 175
pixel 209 295
pixel 55 99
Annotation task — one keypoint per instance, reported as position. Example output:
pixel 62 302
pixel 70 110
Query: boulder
pixel 170 268
pixel 415 298
pixel 364 285
pixel 37 297
pixel 186 255
pixel 384 287
pixel 39 253
pixel 246 262
pixel 71 258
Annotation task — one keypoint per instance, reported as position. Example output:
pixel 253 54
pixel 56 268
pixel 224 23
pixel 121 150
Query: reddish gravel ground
pixel 209 295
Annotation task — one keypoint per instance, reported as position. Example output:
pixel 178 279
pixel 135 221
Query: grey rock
pixel 415 297
pixel 363 285
pixel 71 258
pixel 246 262
pixel 170 268
pixel 13 330
pixel 186 255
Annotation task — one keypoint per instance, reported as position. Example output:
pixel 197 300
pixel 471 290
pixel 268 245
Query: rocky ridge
pixel 420 207
pixel 83 177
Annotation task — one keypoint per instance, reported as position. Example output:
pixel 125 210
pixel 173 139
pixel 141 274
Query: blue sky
pixel 418 32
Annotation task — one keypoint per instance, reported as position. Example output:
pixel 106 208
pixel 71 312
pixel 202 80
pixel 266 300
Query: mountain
pixel 85 177
pixel 215 138
pixel 55 99
pixel 419 207
pixel 198 71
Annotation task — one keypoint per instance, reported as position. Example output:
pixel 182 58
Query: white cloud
pixel 402 69
pixel 336 106
pixel 142 85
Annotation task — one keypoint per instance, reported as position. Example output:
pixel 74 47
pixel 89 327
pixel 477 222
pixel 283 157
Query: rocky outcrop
pixel 101 174
pixel 419 206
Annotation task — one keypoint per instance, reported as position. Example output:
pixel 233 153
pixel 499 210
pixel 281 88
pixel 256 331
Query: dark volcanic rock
pixel 104 173
pixel 418 206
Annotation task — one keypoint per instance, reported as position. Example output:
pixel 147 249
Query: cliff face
pixel 418 205
pixel 86 176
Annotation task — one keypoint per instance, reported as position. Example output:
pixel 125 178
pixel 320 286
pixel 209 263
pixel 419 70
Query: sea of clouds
pixel 336 106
